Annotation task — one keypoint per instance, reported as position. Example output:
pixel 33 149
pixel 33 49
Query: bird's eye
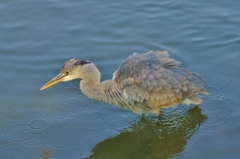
pixel 66 72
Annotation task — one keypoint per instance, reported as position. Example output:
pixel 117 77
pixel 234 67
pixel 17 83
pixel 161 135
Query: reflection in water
pixel 150 138
pixel 46 154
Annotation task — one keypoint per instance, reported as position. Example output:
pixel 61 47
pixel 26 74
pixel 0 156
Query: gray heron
pixel 144 83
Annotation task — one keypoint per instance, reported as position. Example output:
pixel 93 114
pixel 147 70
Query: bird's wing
pixel 156 77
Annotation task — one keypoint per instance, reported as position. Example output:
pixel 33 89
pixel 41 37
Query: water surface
pixel 37 37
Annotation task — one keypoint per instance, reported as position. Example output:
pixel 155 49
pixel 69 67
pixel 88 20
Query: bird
pixel 144 83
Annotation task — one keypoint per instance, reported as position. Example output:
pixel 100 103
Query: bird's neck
pixel 106 91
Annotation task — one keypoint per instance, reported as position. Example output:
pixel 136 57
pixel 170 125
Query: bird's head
pixel 72 69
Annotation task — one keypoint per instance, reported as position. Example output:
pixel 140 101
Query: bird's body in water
pixel 144 83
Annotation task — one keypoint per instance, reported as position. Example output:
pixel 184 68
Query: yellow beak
pixel 55 80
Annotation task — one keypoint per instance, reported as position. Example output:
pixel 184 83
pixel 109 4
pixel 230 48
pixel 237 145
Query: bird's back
pixel 153 80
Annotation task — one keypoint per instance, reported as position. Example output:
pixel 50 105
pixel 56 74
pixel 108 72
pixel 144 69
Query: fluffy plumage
pixel 144 83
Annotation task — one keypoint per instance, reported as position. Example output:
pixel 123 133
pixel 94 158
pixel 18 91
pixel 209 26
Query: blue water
pixel 37 37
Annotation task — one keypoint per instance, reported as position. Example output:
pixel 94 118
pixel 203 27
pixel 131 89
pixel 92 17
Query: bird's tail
pixel 200 86
pixel 199 83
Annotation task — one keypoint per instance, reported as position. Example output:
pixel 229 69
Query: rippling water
pixel 36 37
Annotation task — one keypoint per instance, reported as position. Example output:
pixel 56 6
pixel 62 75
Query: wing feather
pixel 157 79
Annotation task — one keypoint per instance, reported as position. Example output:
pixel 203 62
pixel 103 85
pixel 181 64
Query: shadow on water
pixel 151 138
